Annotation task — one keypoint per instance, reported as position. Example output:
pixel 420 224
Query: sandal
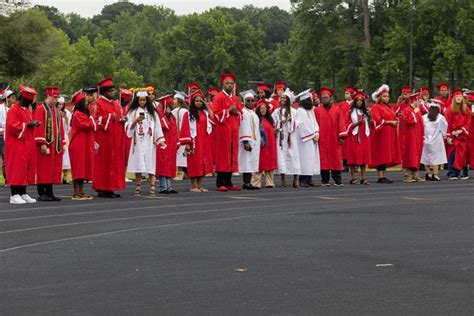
pixel 355 181
pixel 77 197
pixel 364 181
pixel 195 190
pixel 86 196
pixel 204 190
pixel 152 190
pixel 138 190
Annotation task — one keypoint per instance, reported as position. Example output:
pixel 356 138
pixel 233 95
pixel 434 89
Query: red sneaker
pixel 234 188
pixel 222 189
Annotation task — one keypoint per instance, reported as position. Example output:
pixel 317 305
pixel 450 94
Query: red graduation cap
pixel 359 94
pixel 125 94
pixel 27 92
pixel 442 85
pixel 415 96
pixel 166 99
pixel 227 76
pixel 52 91
pixel 77 97
pixel 263 103
pixel 197 93
pixel 280 85
pixel 106 82
pixel 458 91
pixel 212 91
pixel 263 87
pixel 193 86
pixel 424 90
pixel 325 90
pixel 350 89
pixel 470 96
pixel 406 90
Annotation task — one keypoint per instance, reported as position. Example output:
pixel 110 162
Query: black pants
pixel 45 189
pixel 335 174
pixel 247 177
pixel 382 168
pixel 305 179
pixel 224 179
pixel 17 189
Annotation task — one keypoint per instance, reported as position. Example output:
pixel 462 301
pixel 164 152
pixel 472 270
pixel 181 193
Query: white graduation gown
pixel 308 150
pixel 181 160
pixel 434 152
pixel 249 131
pixel 288 158
pixel 145 136
pixel 67 129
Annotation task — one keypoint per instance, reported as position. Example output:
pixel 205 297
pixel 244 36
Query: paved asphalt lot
pixel 378 249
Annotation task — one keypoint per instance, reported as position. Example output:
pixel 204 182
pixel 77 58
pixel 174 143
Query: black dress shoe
pixel 116 195
pixel 105 195
pixel 54 198
pixel 172 191
pixel 164 192
pixel 44 198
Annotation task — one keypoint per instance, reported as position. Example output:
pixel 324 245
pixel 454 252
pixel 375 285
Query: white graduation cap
pixel 61 100
pixel 142 94
pixel 290 95
pixel 180 95
pixel 304 95
pixel 248 94
pixel 434 103
pixel 381 89
pixel 7 94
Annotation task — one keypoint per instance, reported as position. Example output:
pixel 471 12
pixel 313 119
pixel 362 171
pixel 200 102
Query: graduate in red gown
pixel 109 168
pixel 264 94
pixel 196 134
pixel 125 99
pixel 413 140
pixel 403 102
pixel 211 94
pixel 166 157
pixel 385 147
pixel 425 96
pixel 81 146
pixel 331 137
pixel 228 112
pixel 444 96
pixel 50 142
pixel 358 138
pixel 458 116
pixel 345 106
pixel 268 153
pixel 19 129
pixel 470 141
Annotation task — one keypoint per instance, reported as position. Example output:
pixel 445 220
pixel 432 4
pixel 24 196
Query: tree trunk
pixel 365 4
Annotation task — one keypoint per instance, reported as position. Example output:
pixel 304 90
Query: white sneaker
pixel 28 199
pixel 16 199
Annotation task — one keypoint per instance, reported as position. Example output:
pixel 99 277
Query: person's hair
pixel 363 108
pixel 24 102
pixel 194 111
pixel 268 94
pixel 307 104
pixel 433 113
pixel 149 106
pixel 103 90
pixel 81 106
pixel 287 107
pixel 455 108
pixel 267 115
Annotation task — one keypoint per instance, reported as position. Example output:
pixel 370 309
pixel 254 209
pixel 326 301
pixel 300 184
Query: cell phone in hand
pixel 142 114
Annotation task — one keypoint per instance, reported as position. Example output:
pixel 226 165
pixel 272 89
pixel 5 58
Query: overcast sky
pixel 89 8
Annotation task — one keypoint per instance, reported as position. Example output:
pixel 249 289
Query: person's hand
pixel 139 118
pixel 247 146
pixel 359 122
pixel 233 109
pixel 187 147
pixel 114 117
pixel 33 123
pixel 449 140
pixel 163 145
pixel 316 138
pixel 123 119
pixel 416 110
pixel 168 110
pixel 44 149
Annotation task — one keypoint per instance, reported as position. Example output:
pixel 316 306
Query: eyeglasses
pixel 250 100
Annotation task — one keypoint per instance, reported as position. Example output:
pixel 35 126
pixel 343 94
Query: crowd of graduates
pixel 254 133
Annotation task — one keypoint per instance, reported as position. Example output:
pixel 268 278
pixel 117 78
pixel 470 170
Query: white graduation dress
pixel 308 150
pixel 288 159
pixel 249 131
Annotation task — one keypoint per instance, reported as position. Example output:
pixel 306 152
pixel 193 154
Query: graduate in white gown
pixel 180 109
pixel 249 140
pixel 434 152
pixel 286 134
pixel 144 128
pixel 307 140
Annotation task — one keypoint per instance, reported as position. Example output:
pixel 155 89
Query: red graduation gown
pixel 345 107
pixel 331 127
pixel 226 132
pixel 109 168
pixel 470 144
pixel 200 162
pixel 125 141
pixel 358 146
pixel 385 147
pixel 19 147
pixel 398 109
pixel 268 152
pixel 81 146
pixel 445 103
pixel 166 158
pixel 412 146
pixel 49 167
pixel 273 104
pixel 458 121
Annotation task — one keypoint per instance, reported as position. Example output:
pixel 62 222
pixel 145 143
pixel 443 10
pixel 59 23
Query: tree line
pixel 319 43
